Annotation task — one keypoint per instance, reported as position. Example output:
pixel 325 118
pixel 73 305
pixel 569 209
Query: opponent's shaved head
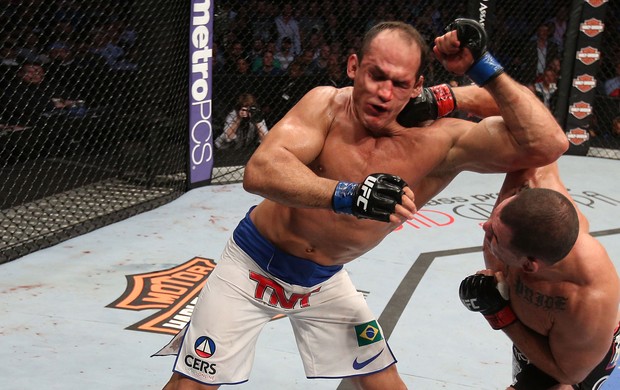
pixel 407 32
pixel 543 222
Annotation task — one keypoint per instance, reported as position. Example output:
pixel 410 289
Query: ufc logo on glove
pixel 471 304
pixel 364 196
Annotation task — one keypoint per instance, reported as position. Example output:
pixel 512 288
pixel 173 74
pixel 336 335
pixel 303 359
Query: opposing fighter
pixel 549 285
pixel 338 173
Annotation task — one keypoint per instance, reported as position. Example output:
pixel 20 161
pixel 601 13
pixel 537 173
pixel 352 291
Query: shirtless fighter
pixel 560 290
pixel 338 174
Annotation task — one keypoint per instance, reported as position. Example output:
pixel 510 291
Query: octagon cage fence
pixel 94 113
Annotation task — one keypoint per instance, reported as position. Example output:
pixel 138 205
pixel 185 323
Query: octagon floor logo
pixel 173 291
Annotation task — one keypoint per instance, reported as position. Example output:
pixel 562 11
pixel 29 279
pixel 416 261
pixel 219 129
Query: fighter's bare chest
pixel 356 160
pixel 538 306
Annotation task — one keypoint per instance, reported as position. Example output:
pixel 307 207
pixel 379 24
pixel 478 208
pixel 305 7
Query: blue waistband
pixel 289 268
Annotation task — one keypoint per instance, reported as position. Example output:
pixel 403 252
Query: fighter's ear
pixel 531 264
pixel 417 88
pixel 352 66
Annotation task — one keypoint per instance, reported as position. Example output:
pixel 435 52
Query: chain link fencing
pixel 93 107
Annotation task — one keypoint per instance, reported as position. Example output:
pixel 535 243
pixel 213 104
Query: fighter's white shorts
pixel 336 333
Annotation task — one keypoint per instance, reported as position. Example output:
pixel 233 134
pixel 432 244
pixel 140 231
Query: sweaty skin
pixel 346 134
pixel 568 311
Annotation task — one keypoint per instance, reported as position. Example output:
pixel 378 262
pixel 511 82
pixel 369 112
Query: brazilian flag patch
pixel 368 333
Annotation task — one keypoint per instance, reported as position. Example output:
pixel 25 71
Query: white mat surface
pixel 57 331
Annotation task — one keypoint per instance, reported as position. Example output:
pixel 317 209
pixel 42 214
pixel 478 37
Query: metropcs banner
pixel 200 77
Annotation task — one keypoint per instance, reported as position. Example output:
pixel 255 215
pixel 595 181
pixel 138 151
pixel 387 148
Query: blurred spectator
pixel 72 12
pixel 62 33
pixel 285 55
pixel 8 55
pixel 234 51
pixel 257 50
pixel 546 89
pixel 319 64
pixel 558 25
pixel 268 66
pixel 425 25
pixel 219 60
pixel 223 18
pixel 356 16
pixel 286 26
pixel 296 84
pixel 336 48
pixel 336 74
pixel 242 25
pixel 243 126
pixel 305 59
pixel 615 127
pixel 30 48
pixel 332 31
pixel 314 42
pixel 105 44
pixel 378 15
pixel 538 53
pixel 310 20
pixel 612 85
pixel 556 65
pixel 65 71
pixel 30 96
pixel 242 67
pixel 262 22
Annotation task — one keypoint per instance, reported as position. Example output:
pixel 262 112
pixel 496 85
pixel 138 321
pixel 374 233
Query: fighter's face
pixel 497 237
pixel 385 79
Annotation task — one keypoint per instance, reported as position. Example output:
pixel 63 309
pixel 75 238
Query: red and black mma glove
pixel 376 198
pixel 434 102
pixel 480 293
pixel 471 34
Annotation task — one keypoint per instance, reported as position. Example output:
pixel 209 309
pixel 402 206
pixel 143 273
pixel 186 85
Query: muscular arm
pixel 526 134
pixel 278 168
pixel 475 100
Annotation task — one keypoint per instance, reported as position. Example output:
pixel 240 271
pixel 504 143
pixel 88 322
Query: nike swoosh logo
pixel 359 365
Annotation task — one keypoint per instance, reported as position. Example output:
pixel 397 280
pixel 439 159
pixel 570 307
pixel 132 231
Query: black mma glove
pixel 376 198
pixel 471 34
pixel 480 293
pixel 434 102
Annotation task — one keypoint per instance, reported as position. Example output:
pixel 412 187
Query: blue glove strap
pixel 342 201
pixel 485 69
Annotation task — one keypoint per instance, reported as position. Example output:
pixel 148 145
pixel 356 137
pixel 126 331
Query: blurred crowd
pixel 73 42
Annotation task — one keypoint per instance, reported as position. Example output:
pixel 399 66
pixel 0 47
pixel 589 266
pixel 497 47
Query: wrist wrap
pixel 485 69
pixel 502 318
pixel 344 194
pixel 446 101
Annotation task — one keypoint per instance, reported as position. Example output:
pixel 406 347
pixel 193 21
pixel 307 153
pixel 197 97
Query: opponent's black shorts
pixel 526 376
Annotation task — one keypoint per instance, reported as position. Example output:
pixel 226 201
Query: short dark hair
pixel 543 222
pixel 407 31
